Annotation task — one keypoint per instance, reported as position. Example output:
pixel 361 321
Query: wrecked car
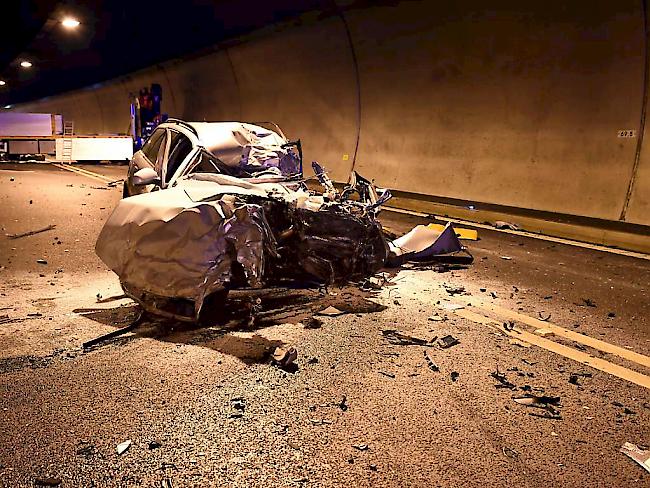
pixel 177 148
pixel 248 222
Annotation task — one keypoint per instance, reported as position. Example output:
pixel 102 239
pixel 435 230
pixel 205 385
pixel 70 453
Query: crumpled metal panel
pixel 249 147
pixel 172 246
pixel 338 244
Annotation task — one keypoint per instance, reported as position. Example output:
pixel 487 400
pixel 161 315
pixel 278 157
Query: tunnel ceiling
pixel 117 37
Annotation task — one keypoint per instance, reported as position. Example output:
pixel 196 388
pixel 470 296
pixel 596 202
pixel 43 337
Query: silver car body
pixel 175 149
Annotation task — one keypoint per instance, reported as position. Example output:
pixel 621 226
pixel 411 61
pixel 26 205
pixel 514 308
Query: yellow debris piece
pixel 469 234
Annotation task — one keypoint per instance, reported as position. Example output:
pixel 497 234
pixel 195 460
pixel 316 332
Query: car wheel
pixel 125 191
pixel 213 308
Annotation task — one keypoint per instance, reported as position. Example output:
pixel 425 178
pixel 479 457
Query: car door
pixel 152 155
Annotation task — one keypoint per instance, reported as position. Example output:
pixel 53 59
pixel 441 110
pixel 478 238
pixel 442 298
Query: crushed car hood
pixel 212 232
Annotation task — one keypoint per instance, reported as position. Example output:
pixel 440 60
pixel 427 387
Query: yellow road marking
pixel 562 332
pixel 568 352
pixel 91 173
pixel 83 172
pixel 75 170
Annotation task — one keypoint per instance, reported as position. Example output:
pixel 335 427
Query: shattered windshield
pixel 245 151
pixel 205 162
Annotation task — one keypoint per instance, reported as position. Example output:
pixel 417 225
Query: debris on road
pixel 507 258
pixel 284 358
pixel 360 447
pixel 31 232
pixel 47 481
pixel 331 312
pixel 238 404
pixel 432 366
pixel 537 401
pixel 509 452
pixel 437 318
pixel 546 403
pixel 503 380
pixel 588 302
pixel 502 224
pixel 115 182
pixel 574 378
pixel 41 261
pixel 123 447
pixel 634 452
pixel 424 244
pixel 343 404
pixel 374 282
pixel 542 318
pixel 154 445
pixel 389 375
pixel 448 341
pixel 400 339
pixel 5 319
pixel 454 290
pixel 452 306
pixel 115 333
pixel 85 449
pixel 454 375
pixel 311 323
pixel 320 421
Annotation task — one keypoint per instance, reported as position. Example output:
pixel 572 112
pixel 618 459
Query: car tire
pixel 213 309
pixel 125 191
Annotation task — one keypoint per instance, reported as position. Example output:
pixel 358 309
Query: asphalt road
pixel 202 406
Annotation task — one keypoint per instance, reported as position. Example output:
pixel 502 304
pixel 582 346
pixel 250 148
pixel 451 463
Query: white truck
pixel 44 136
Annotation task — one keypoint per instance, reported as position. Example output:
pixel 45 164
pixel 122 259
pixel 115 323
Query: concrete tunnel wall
pixel 516 105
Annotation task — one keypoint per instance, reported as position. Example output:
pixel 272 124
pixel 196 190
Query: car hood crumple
pixel 248 147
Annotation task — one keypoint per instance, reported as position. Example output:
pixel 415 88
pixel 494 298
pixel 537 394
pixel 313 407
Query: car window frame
pixel 180 171
pixel 169 151
pixel 161 159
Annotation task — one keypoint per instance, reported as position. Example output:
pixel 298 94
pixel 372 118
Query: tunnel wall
pixel 518 105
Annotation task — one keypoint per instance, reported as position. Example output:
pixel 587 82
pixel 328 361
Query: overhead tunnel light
pixel 3 82
pixel 70 23
pixel 26 64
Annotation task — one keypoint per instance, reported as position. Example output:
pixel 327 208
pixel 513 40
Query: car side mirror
pixel 146 176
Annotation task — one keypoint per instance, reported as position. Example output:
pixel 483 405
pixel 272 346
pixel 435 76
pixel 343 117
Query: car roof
pixel 211 133
pixel 226 139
